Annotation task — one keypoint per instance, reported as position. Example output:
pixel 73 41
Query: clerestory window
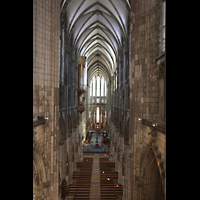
pixel 163 30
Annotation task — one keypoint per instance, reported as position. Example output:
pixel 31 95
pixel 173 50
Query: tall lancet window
pixel 93 86
pixel 89 114
pixel 102 86
pixel 163 24
pixel 97 114
pixel 105 89
pixel 98 85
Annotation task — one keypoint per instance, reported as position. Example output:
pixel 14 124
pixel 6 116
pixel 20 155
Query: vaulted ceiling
pixel 98 29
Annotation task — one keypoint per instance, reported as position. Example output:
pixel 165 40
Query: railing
pixel 157 124
pixel 37 120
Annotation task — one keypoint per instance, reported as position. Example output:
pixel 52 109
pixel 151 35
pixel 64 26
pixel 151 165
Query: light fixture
pixel 154 124
pixel 139 118
pixel 108 179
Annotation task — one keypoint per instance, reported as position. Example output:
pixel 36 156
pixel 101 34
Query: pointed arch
pixel 150 181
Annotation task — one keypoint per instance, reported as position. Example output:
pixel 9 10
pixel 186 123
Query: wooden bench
pixel 109 181
pixel 84 163
pixel 87 159
pixel 107 166
pixel 78 189
pixel 83 181
pixel 105 179
pixel 85 168
pixel 103 159
pixel 79 186
pixel 112 192
pixel 81 176
pixel 108 175
pixel 109 172
pixel 117 193
pixel 81 195
pixel 108 195
pixel 83 184
pixel 82 172
pixel 110 184
pixel 111 188
pixel 107 163
pixel 107 188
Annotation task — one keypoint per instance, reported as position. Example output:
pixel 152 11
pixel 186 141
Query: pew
pixel 87 159
pixel 79 186
pixel 107 166
pixel 87 181
pixel 83 184
pixel 103 159
pixel 108 195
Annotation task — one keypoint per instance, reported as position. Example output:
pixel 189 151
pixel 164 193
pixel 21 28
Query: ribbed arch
pixel 108 44
pixel 97 30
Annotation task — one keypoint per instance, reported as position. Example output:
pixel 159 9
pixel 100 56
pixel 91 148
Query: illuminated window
pixel 89 114
pixel 97 114
pixel 163 25
pixel 98 86
pixel 102 86
pixel 105 88
pixel 93 86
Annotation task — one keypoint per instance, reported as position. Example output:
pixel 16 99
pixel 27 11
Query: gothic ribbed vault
pixel 98 30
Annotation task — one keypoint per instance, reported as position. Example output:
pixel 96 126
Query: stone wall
pixel 72 123
pixel 136 147
pixel 145 90
pixel 141 146
pixel 46 36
